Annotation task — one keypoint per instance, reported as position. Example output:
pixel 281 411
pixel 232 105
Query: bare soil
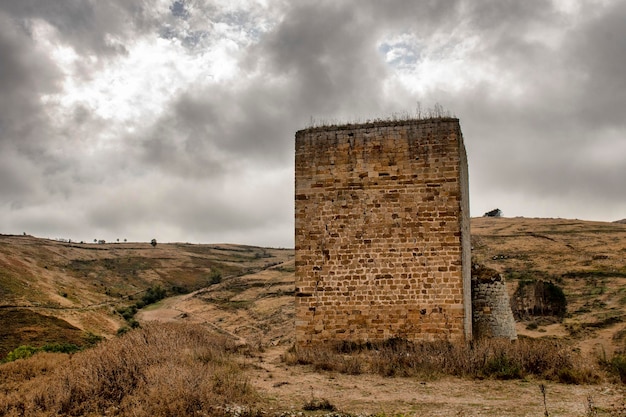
pixel 289 387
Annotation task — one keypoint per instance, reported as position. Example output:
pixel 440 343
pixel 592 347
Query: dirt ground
pixel 289 387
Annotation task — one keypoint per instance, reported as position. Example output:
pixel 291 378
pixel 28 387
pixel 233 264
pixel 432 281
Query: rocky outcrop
pixel 538 298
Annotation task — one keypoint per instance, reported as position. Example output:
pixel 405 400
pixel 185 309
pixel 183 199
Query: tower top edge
pixel 376 124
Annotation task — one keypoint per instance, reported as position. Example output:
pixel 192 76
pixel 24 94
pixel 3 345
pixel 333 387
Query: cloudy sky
pixel 175 120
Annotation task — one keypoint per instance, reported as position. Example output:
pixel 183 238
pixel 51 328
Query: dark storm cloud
pixel 320 61
pixel 326 51
pixel 25 73
pixel 100 27
pixel 598 52
pixel 540 93
pixel 216 130
pixel 42 170
pixel 508 15
pixel 179 9
pixel 533 136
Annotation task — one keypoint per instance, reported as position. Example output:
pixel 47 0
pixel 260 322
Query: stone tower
pixel 491 309
pixel 382 232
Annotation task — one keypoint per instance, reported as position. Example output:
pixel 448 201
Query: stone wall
pixel 491 308
pixel 382 232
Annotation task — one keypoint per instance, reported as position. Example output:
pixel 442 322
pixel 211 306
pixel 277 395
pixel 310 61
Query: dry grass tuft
pixel 499 359
pixel 160 370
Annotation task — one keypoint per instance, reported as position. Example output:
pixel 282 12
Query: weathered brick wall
pixel 491 309
pixel 382 232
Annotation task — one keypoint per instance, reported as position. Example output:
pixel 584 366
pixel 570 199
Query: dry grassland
pixel 225 346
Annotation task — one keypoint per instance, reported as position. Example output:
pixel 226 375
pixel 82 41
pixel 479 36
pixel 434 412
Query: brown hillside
pixel 253 303
pixel 83 284
pixel 586 259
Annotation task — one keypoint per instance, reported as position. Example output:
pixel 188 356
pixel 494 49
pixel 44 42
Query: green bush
pixel 154 294
pixel 21 352
pixel 556 297
pixel 60 348
pixel 532 326
pixel 123 330
pixel 25 351
pixel 127 312
pixel 215 277
pixel 92 339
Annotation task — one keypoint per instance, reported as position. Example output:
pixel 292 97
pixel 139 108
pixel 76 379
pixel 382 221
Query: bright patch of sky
pixel 443 61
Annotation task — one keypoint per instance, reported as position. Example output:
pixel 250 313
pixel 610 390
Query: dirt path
pixel 290 387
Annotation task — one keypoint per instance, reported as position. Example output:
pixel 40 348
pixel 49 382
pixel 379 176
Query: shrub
pixel 556 297
pixel 493 213
pixel 127 312
pixel 92 339
pixel 159 370
pixel 617 366
pixel 499 359
pixel 502 366
pixel 23 352
pixel 153 294
pixel 318 404
pixel 123 330
pixel 215 277
pixel 532 326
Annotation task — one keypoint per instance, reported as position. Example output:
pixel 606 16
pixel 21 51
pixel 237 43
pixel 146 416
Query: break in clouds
pixel 175 120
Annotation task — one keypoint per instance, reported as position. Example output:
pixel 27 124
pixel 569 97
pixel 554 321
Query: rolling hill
pixel 70 293
pixel 68 290
pixel 54 291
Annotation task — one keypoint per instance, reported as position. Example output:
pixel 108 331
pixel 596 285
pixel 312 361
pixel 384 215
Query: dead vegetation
pixel 198 367
pixel 159 370
pixel 498 359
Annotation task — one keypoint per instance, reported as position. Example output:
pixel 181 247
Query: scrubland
pixel 221 341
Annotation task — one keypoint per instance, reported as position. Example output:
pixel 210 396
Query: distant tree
pixel 95 241
pixel 124 240
pixel 118 240
pixel 493 213
pixel 152 295
pixel 153 242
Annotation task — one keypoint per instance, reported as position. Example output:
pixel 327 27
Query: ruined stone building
pixel 491 308
pixel 382 232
